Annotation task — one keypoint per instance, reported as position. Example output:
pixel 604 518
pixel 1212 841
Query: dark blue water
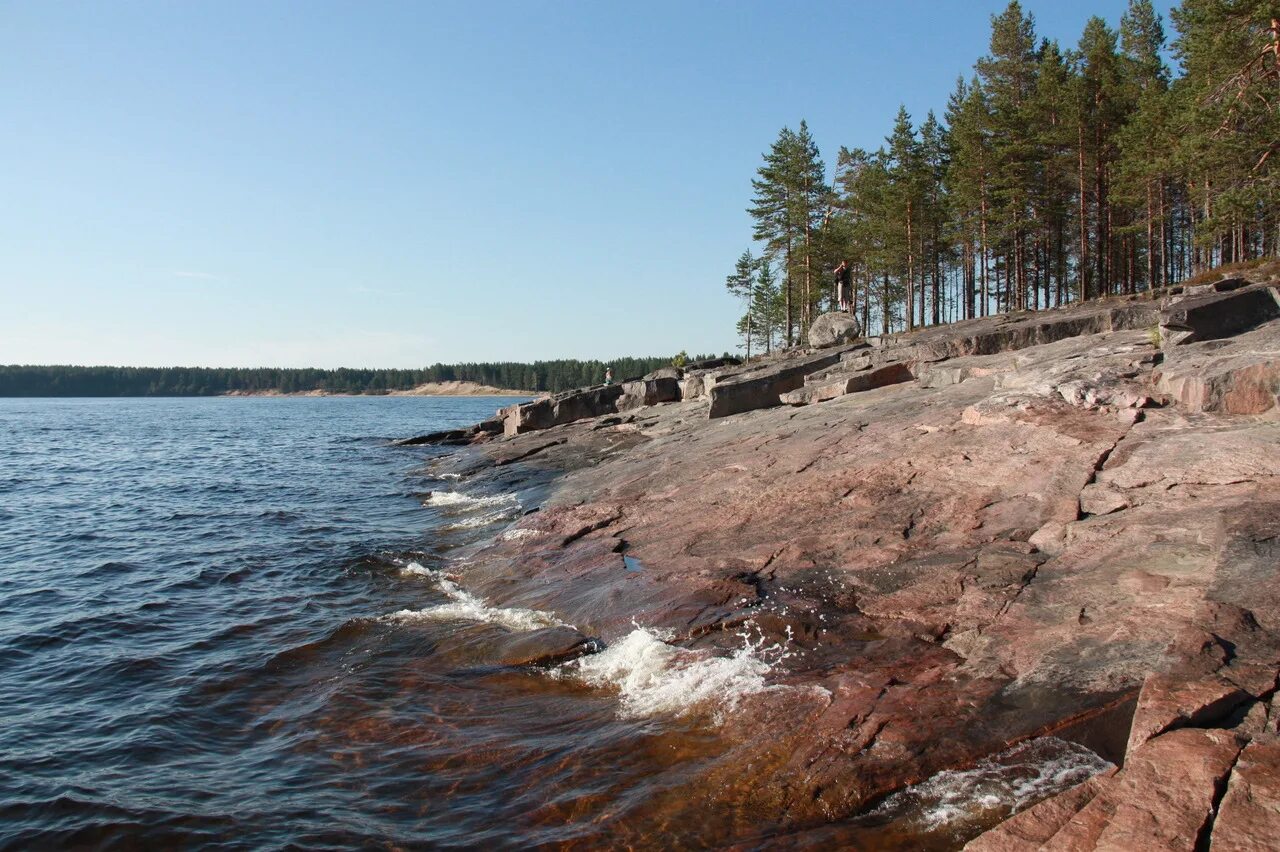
pixel 195 647
pixel 244 624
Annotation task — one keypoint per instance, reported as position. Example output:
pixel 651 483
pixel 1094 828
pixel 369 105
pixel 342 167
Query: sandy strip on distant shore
pixel 461 389
pixel 428 389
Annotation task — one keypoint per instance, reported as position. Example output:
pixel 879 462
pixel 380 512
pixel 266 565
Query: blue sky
pixel 394 184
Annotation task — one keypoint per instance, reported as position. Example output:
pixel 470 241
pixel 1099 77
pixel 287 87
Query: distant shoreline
pixel 426 389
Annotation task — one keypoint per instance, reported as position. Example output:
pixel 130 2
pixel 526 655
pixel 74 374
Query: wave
pixel 459 499
pixel 519 534
pixel 1007 782
pixel 654 677
pixel 464 606
pixel 484 520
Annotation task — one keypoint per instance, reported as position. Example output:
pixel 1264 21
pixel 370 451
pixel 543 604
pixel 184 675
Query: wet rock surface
pixel 1024 536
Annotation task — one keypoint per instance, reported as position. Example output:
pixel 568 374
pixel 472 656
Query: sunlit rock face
pixel 1028 527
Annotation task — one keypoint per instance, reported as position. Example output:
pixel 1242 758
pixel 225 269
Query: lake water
pixel 241 623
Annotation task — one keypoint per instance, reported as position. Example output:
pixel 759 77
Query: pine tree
pixel 1053 195
pixel 1009 78
pixel 741 283
pixel 906 179
pixel 1143 163
pixel 766 309
pixel 968 184
pixel 811 201
pixel 1230 123
pixel 771 208
pixel 935 155
pixel 790 201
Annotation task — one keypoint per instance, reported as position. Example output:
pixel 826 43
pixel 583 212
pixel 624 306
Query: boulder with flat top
pixel 833 329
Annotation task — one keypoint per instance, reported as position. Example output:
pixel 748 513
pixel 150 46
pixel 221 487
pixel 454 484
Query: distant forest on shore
pixel 539 376
pixel 1057 173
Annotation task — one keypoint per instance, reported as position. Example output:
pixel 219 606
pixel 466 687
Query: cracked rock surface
pixel 1012 544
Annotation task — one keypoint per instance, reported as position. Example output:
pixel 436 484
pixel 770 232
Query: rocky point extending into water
pixel 1058 523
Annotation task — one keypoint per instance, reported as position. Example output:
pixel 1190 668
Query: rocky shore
pixel 1057 523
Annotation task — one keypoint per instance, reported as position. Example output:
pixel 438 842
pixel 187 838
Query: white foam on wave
pixel 484 520
pixel 478 511
pixel 654 677
pixel 520 533
pixel 459 499
pixel 1010 781
pixel 415 569
pixel 464 606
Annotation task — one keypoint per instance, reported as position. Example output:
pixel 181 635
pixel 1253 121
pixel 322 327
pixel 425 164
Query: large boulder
pixel 694 385
pixel 648 391
pixel 833 329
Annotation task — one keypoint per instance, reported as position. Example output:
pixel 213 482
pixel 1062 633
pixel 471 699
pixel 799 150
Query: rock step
pixel 765 389
pixel 856 382
pixel 454 436
pixel 1185 784
pixel 651 390
pixel 1236 376
pixel 1214 315
pixel 560 409
pixel 1037 824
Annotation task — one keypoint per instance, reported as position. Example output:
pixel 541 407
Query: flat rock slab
pixel 922 555
pixel 560 409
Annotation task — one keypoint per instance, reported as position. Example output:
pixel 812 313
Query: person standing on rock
pixel 608 375
pixel 844 288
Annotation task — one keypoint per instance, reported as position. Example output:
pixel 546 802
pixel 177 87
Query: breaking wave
pixel 519 534
pixel 479 511
pixel 464 606
pixel 459 499
pixel 654 677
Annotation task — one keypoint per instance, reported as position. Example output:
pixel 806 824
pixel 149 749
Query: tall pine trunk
pixel 911 274
pixel 1083 271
